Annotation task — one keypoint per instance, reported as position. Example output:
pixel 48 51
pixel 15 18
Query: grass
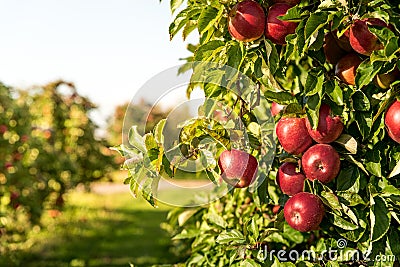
pixel 101 230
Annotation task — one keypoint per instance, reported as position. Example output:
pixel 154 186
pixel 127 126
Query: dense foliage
pixel 48 146
pixel 362 204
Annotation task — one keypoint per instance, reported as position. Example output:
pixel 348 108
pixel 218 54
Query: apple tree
pixel 329 70
pixel 48 147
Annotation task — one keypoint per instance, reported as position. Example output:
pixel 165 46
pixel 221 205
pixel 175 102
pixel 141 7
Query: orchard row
pixel 48 146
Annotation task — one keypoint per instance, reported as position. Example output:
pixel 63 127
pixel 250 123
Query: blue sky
pixel 108 48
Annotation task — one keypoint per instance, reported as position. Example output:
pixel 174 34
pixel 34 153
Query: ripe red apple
pixel 8 165
pixel 276 30
pixel 304 212
pixel 343 41
pixel 293 135
pixel 329 127
pixel 14 196
pixel 321 162
pixel 238 168
pixel 392 121
pixel 346 68
pixel 289 180
pixel 332 50
pixel 3 128
pixel 246 21
pixel 276 108
pixel 362 40
pixel 24 138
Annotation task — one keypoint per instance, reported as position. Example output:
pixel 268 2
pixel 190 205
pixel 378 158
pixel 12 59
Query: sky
pixel 107 48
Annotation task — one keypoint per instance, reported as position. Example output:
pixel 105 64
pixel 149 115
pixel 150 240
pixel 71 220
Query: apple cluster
pixel 248 21
pixel 319 161
pixel 346 53
pixel 349 50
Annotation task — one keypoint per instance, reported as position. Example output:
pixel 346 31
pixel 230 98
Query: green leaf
pixel 208 18
pixel 253 229
pixel 351 198
pixel 366 71
pixel 390 190
pixel 212 175
pixel 334 91
pixel 293 14
pixel 350 158
pixel 394 241
pixel 166 165
pixel 330 200
pixel 314 83
pixel 158 132
pixel 136 140
pixel 180 20
pixel 313 105
pixel 343 224
pixel 186 215
pixel 175 4
pixel 208 159
pixel 215 219
pixel 315 22
pixel 380 219
pixel 232 237
pixel 249 263
pixel 395 171
pixel 364 122
pixel 360 101
pixel 150 142
pixel 189 27
pixel 235 54
pixel 205 51
pixel 187 234
pixel 283 98
pixel 348 179
pixel 373 162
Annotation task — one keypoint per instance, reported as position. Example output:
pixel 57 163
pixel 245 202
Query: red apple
pixel 329 127
pixel 276 30
pixel 293 135
pixel 332 50
pixel 392 121
pixel 385 79
pixel 343 41
pixel 321 162
pixel 276 108
pixel 8 165
pixel 14 196
pixel 289 179
pixel 276 209
pixel 246 21
pixel 24 138
pixel 362 40
pixel 346 68
pixel 304 212
pixel 3 128
pixel 238 168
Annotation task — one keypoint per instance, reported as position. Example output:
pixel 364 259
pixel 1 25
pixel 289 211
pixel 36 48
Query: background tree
pixel 48 147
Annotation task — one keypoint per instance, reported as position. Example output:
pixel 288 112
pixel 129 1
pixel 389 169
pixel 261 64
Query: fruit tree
pixel 329 70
